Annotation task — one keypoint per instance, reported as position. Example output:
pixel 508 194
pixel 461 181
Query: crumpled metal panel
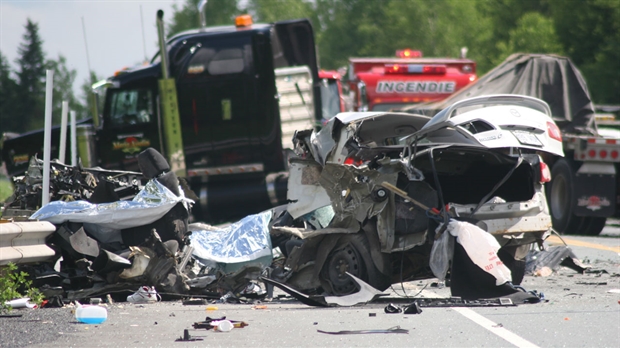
pixel 150 204
pixel 350 188
pixel 229 249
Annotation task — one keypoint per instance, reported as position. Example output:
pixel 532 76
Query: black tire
pixel 152 163
pixel 560 197
pixel 593 226
pixel 351 254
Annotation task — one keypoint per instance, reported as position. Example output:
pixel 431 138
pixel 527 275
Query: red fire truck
pixel 378 84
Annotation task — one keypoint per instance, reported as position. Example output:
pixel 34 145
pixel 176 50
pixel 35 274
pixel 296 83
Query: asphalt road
pixel 581 310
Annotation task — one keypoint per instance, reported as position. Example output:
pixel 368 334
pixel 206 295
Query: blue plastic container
pixel 89 314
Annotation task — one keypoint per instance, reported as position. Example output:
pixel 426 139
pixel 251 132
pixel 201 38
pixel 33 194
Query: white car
pixel 367 191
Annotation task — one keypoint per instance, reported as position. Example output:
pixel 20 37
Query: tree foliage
pixel 218 12
pixel 29 105
pixel 9 120
pixel 587 31
pixel 64 78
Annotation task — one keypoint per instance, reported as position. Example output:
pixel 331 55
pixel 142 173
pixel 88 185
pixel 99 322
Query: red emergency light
pixel 408 53
pixel 432 69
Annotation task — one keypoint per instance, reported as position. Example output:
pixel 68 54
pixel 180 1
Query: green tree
pixel 276 10
pixel 218 12
pixel 9 119
pixel 31 79
pixel 64 79
pixel 590 33
pixel 379 28
pixel 533 33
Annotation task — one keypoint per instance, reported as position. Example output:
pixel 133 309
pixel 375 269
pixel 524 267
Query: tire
pixel 351 254
pixel 561 197
pixel 593 226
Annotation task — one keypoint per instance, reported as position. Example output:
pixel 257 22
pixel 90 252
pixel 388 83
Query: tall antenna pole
pixel 86 46
pixel 143 39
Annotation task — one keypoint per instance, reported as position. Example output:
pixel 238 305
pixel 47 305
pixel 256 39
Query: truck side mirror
pixel 362 96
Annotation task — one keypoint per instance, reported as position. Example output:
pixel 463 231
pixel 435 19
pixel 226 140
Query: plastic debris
pixel 212 323
pixel 20 303
pixel 392 309
pixel 187 337
pixel 90 314
pixel 395 329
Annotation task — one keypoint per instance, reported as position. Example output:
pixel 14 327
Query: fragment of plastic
pixel 392 309
pixel 441 255
pixel 222 325
pixel 395 329
pixel 542 263
pixel 90 314
pixel 365 294
pixel 149 205
pixel 139 263
pixel 245 243
pixel 252 290
pixel 413 308
pixel 481 247
pixel 211 323
pixel 20 303
pixel 145 294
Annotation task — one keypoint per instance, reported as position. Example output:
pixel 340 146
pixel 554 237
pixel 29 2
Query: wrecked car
pixel 369 190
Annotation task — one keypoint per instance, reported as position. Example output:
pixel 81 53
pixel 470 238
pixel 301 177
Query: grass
pixel 6 188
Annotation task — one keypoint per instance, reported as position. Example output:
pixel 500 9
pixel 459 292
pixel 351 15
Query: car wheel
pixel 593 226
pixel 351 254
pixel 560 197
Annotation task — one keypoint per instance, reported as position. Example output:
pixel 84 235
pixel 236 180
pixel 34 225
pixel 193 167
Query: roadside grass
pixel 6 188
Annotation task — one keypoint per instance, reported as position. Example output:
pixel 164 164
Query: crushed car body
pixel 370 195
pixel 369 190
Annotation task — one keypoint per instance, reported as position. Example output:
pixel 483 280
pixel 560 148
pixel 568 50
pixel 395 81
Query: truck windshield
pixel 131 106
pixel 330 98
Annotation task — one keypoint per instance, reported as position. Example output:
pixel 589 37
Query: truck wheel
pixel 351 254
pixel 593 226
pixel 560 197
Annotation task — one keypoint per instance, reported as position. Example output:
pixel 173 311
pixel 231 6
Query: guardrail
pixel 24 242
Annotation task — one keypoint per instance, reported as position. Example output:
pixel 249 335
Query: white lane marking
pixel 498 330
pixel 494 328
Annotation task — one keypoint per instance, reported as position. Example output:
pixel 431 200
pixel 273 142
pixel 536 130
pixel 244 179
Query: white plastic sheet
pixel 243 243
pixel 481 247
pixel 441 255
pixel 150 204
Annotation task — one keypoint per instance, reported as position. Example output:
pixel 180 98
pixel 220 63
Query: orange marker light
pixel 243 21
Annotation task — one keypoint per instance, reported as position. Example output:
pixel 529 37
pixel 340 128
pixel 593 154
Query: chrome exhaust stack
pixel 202 6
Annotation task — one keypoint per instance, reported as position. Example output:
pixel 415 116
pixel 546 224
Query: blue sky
pixel 113 30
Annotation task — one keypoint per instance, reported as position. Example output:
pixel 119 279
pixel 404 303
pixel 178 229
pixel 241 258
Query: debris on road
pixel 90 314
pixel 395 329
pixel 187 337
pixel 20 303
pixel 543 263
pixel 211 323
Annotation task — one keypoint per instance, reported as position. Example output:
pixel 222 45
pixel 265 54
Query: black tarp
pixel 552 78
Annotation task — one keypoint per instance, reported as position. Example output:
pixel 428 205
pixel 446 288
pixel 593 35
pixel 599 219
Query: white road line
pixel 498 330
pixel 494 328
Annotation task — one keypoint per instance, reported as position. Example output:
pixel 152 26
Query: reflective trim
pixel 224 170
